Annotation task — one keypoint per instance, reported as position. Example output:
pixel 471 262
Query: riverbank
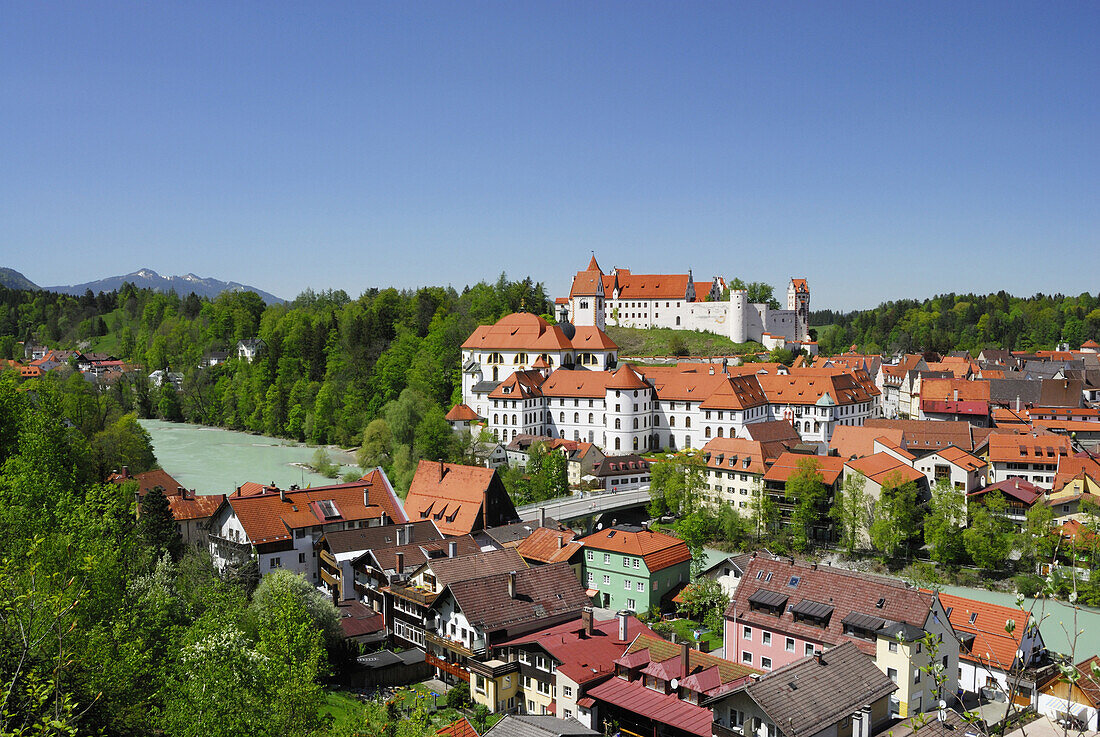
pixel 213 460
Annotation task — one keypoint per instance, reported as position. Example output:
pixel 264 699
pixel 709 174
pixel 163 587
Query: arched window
pixel 617 444
pixel 561 417
pixel 576 418
pixel 635 443
pixel 635 423
pixel 505 417
pixel 672 422
pixel 706 431
pixel 720 432
pixel 514 420
pixel 817 426
pixel 687 422
pixel 618 424
pixel 591 418
pixel 496 419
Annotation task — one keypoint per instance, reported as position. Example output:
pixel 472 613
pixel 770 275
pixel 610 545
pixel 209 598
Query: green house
pixel 631 568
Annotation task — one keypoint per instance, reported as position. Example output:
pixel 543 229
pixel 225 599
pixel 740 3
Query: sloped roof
pixel 448 493
pixel 854 441
pixel 634 697
pixel 882 466
pixel 961 458
pixel 518 331
pixel 530 725
pixel 658 550
pixel 591 338
pixel 773 431
pixel 1013 488
pixel 737 393
pixel 541 593
pixel 919 435
pixel 1028 447
pixel 846 591
pixel 417 553
pixel 659 651
pixel 462 413
pixel 785 465
pixel 730 454
pixel 652 286
pixel 191 506
pixel 461 727
pixel 584 657
pixel 618 465
pixel 380 537
pixel 148 480
pixel 992 644
pixel 809 695
pixel 547 545
pixel 476 565
pixel 808 387
pixel 625 378
pixel 1069 467
pixel 576 383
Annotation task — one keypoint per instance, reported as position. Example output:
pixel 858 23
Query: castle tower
pixel 738 315
pixel 798 299
pixel 586 296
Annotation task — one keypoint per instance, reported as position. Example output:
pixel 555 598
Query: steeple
pixel 592 265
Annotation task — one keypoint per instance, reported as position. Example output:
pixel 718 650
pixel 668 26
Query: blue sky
pixel 881 150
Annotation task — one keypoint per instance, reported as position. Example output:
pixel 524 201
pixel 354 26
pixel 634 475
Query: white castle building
pixel 525 376
pixel 677 301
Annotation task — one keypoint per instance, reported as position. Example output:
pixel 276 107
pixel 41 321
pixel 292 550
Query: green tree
pixel 897 516
pixel 850 511
pixel 434 439
pixel 273 593
pixel 765 511
pixel 377 445
pixel 704 601
pixel 943 527
pixel 988 539
pixel 157 526
pixel 806 489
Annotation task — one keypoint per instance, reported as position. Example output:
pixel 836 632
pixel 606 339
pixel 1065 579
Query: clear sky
pixel 880 149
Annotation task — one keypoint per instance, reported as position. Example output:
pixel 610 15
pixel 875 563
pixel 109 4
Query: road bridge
pixel 570 508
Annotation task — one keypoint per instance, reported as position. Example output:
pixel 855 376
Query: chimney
pixel 684 669
pixel 366 500
pixel 561 541
pixel 399 563
pixel 181 492
pixel 622 625
pixel 125 472
pixel 442 469
pixel 382 519
pixel 818 658
pixel 813 566
pixel 452 549
pixel 408 533
pixel 542 516
pixel 512 584
pixel 586 620
pixel 282 494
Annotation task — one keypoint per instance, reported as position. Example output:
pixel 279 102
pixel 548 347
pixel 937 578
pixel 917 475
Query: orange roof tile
pixel 625 378
pixel 519 331
pixel 458 728
pixel 148 481
pixel 992 645
pixel 454 500
pixel 658 550
pixel 961 458
pixel 591 338
pixel 881 467
pixel 855 441
pixel 731 454
pixel 652 286
pixel 785 465
pixel 194 506
pixel 462 413
pixel 547 545
pixel 1013 447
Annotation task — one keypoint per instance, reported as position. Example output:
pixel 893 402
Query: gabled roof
pixel 773 431
pixel 519 331
pixel 662 652
pixel 461 727
pixel 547 545
pixel 652 286
pixel 920 435
pixel 417 553
pixel 451 494
pixel 529 725
pixel 992 645
pixel 1028 448
pixel 810 695
pixel 381 537
pixel 658 550
pixel 576 383
pixel 1013 488
pixel 846 591
pixel 881 467
pixel 809 386
pixel 591 338
pixel 634 697
pixel 625 379
pixel 854 441
pixel 189 506
pixel 462 413
pixel 476 565
pixel 738 454
pixel 737 393
pixel 544 592
pixel 785 465
pixel 583 657
pixel 618 465
pixel 147 481
pixel 960 458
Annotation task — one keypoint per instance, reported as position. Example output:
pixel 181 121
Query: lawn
pixel 685 630
pixel 342 706
pixel 662 342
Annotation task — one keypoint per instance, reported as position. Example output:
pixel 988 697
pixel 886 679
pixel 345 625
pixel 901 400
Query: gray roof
pixel 517 725
pixel 901 631
pixel 814 693
pixel 484 387
pixel 1006 391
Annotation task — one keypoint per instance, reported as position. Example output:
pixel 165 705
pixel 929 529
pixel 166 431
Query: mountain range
pixel 143 279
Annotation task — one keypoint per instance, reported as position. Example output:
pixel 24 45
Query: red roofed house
pixel 191 511
pixel 1030 456
pixel 459 499
pixel 990 656
pixel 1019 494
pixel 784 610
pixel 460 418
pixel 735 469
pixel 1076 701
pixel 280 528
pixel 549 670
pixel 964 471
pixel 831 469
pixel 634 569
pixel 660 688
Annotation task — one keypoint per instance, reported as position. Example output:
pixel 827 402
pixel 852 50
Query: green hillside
pixel 668 342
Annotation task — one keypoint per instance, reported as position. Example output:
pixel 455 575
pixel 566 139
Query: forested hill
pixel 963 322
pixel 332 363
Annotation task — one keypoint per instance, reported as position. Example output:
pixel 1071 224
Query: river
pixel 211 460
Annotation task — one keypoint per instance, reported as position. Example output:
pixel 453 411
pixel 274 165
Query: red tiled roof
pixel 453 500
pixel 591 338
pixel 462 413
pixel 845 591
pixel 1028 447
pixel 652 286
pixel 193 506
pixel 583 657
pixel 632 696
pixel 854 441
pixel 1069 467
pixel 268 518
pixel 148 480
pixel 961 458
pixel 1015 488
pixel 785 465
pixel 800 285
pixel 625 379
pixel 547 545
pixel 730 454
pixel 992 644
pixel 881 467
pixel 658 550
pixel 458 728
pixel 518 331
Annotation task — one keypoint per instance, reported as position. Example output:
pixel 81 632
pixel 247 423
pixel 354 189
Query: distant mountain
pixel 149 279
pixel 12 279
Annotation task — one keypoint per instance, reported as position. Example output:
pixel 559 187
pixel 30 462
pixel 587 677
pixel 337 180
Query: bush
pixel 1028 584
pixel 481 717
pixel 459 696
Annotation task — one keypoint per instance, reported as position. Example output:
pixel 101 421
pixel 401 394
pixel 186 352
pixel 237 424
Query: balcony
pixel 328 558
pixel 330 579
pixel 456 646
pixel 455 670
pixel 421 596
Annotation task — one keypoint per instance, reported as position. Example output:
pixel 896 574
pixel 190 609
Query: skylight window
pixel 328 509
pixel 973 617
pixel 880 603
pixel 793 583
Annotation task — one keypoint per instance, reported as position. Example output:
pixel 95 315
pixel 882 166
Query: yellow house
pixel 1066 502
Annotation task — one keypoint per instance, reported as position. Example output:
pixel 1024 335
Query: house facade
pixel 633 569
